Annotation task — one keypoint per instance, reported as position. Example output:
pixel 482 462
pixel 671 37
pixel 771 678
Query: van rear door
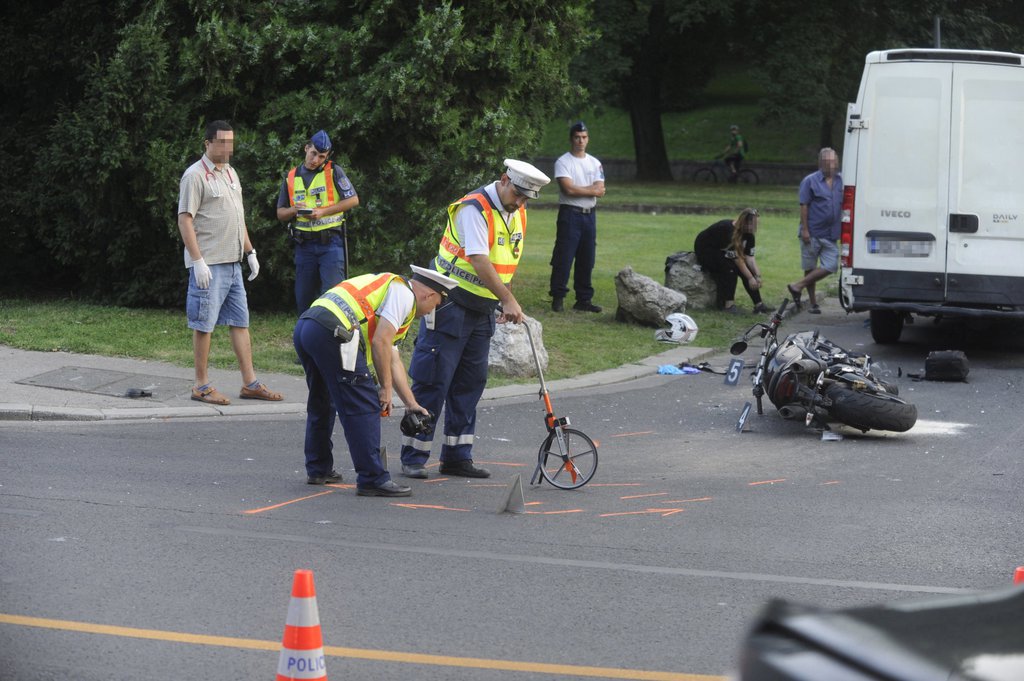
pixel 902 181
pixel 985 233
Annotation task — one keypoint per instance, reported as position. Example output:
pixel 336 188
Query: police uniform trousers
pixel 319 266
pixel 350 394
pixel 575 239
pixel 449 370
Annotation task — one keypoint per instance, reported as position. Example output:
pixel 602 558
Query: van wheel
pixel 886 326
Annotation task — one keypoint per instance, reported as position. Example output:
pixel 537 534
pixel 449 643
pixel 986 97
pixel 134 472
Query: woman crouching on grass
pixel 725 250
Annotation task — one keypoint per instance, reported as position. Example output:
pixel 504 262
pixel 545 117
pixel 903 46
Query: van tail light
pixel 846 235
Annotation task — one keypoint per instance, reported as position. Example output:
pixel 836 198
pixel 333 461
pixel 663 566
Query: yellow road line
pixel 359 653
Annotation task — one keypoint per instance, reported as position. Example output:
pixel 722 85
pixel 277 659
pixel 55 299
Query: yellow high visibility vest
pixel 506 245
pixel 322 191
pixel 355 302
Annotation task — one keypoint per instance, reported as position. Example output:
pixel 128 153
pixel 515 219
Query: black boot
pixel 586 306
pixel 556 303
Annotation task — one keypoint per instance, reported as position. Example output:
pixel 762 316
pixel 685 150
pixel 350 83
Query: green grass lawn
pixel 696 135
pixel 577 343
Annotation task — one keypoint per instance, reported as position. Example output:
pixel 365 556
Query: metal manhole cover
pixel 107 382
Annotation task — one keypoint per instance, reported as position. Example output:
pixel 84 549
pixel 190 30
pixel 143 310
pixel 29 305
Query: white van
pixel 933 164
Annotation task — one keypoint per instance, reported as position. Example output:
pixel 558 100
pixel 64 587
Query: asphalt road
pixel 165 550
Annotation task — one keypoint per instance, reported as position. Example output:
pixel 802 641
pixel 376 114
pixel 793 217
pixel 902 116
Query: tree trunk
pixel 827 123
pixel 648 136
pixel 643 97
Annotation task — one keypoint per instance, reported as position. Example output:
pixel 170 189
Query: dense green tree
pixel 653 55
pixel 423 101
pixel 813 54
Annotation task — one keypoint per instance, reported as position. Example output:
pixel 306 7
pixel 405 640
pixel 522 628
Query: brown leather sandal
pixel 261 392
pixel 210 396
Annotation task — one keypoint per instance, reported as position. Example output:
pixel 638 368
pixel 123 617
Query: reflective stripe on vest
pixel 322 183
pixel 356 301
pixel 505 251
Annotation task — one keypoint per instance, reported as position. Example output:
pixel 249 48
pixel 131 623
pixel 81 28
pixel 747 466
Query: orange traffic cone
pixel 302 649
pixel 1018 575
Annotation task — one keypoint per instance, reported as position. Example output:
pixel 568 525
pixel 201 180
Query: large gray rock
pixel 510 349
pixel 644 301
pixel 683 274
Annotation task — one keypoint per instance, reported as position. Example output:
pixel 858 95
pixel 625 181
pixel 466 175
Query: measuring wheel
pixel 567 459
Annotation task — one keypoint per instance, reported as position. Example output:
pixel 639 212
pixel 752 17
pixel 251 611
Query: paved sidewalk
pixel 63 386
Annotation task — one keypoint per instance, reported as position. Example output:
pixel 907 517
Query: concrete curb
pixel 20 411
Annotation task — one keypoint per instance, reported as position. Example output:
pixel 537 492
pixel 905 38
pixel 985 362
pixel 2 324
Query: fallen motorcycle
pixel 809 377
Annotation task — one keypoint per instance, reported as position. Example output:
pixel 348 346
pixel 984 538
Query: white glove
pixel 254 264
pixel 202 272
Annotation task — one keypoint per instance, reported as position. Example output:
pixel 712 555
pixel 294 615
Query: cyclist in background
pixel 735 152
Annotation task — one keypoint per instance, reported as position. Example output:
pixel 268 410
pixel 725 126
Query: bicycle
pixel 711 172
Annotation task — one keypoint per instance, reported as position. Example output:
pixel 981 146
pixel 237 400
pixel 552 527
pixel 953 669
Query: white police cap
pixel 526 178
pixel 432 278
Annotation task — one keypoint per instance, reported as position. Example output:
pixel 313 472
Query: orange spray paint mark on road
pixel 831 482
pixel 663 512
pixel 285 503
pixel 430 507
pixel 573 510
pixel 642 432
pixel 766 482
pixel 641 496
pixel 686 501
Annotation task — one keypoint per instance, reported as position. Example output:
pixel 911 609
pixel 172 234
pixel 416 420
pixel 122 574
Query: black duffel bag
pixel 946 365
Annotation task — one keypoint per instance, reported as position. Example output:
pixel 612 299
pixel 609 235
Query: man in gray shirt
pixel 212 225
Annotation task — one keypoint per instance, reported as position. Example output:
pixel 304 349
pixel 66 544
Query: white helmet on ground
pixel 682 329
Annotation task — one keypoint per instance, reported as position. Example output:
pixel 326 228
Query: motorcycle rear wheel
pixel 870 410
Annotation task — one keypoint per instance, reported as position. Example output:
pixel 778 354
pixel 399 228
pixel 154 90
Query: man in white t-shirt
pixel 580 181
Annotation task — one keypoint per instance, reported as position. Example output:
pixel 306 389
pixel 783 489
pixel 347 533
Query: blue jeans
pixel 223 303
pixel 318 267
pixel 576 239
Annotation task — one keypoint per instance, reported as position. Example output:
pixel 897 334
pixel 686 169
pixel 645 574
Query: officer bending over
pixel 346 339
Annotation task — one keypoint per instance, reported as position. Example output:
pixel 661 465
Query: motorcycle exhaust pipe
pixel 791 411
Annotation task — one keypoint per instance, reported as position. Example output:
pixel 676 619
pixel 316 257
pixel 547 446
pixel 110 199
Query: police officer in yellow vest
pixel 480 249
pixel 345 340
pixel 315 198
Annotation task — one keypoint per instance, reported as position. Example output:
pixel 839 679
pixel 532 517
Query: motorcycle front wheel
pixel 864 411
